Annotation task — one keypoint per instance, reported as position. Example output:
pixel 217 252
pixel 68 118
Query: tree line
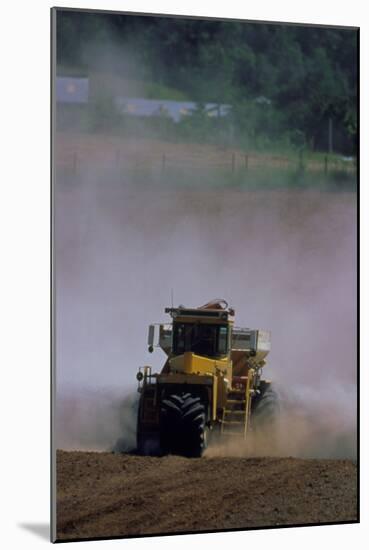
pixel 290 85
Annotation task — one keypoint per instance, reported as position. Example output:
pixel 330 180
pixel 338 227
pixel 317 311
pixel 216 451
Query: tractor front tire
pixel 183 425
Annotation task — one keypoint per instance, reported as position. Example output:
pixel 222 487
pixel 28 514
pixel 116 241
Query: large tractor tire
pixel 266 422
pixel 183 425
pixel 266 408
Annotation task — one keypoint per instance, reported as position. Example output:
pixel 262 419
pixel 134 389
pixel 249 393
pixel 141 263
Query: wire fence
pixel 229 161
pixel 154 159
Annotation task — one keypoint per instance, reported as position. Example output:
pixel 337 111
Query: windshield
pixel 200 338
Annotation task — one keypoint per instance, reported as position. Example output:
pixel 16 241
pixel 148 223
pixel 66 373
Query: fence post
pixel 163 162
pixel 246 162
pixel 233 162
pixel 326 164
pixel 301 160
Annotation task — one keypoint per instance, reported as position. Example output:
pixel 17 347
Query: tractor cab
pixel 203 331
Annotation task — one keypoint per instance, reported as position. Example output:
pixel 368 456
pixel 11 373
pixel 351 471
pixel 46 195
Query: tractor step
pixel 235 412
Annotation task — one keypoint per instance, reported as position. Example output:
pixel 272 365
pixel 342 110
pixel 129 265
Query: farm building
pixel 72 89
pixel 175 110
pixel 72 98
pixel 77 97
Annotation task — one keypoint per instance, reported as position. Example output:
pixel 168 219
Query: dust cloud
pixel 126 235
pixel 285 259
pixel 307 427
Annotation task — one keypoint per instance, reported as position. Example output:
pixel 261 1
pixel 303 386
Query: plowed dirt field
pixel 102 494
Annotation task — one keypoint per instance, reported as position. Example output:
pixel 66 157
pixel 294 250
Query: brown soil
pixel 105 494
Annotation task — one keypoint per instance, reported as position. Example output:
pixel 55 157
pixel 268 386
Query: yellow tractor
pixel 210 383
